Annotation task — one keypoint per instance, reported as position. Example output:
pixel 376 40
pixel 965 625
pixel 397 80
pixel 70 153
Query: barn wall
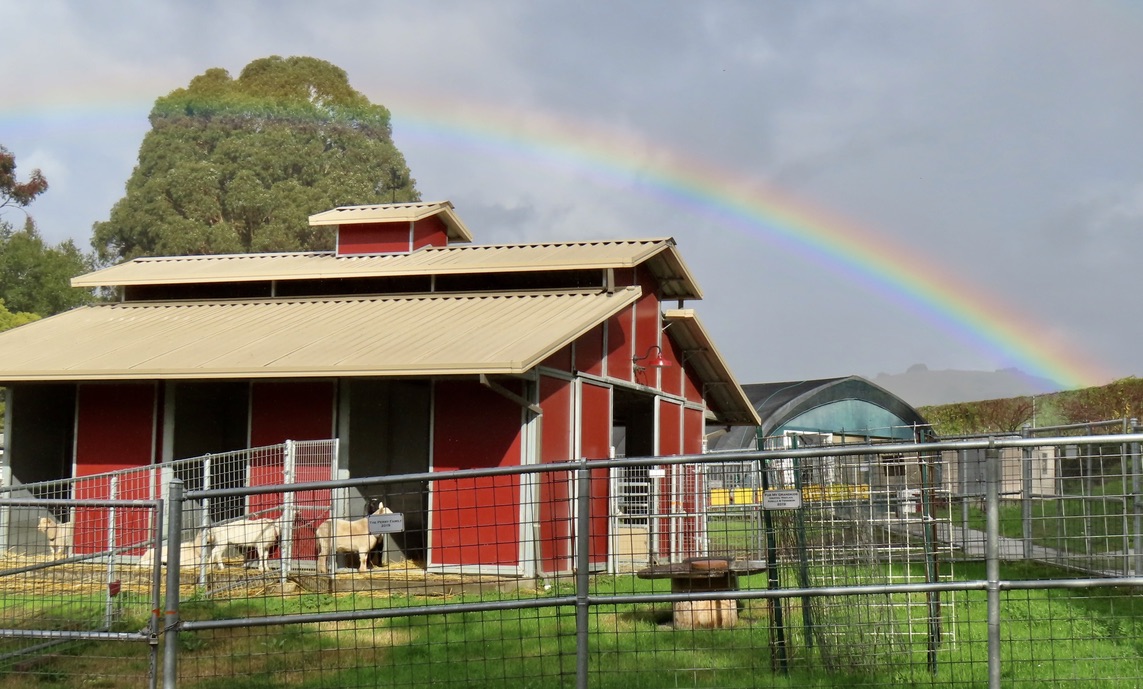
pixel 595 443
pixel 115 429
pixel 589 351
pixel 291 410
pixel 475 521
pixel 430 231
pixel 556 489
pixel 281 411
pixel 373 238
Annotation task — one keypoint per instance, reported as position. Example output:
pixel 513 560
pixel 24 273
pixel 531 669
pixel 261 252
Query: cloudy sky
pixel 859 186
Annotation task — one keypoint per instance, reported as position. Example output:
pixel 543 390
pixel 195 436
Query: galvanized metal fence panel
pixel 822 566
pixel 65 614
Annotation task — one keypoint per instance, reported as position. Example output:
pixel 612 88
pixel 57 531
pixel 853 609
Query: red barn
pixel 417 350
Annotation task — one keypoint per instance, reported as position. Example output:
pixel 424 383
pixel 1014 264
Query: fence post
pixel 582 564
pixel 992 474
pixel 1026 493
pixel 204 519
pixel 174 570
pixel 113 494
pixel 289 499
pixel 1137 493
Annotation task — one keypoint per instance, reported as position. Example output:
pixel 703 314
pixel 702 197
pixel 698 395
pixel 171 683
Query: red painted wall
pixel 595 443
pixel 620 344
pixel 557 534
pixel 291 410
pixel 561 360
pixel 589 352
pixel 693 428
pixel 287 410
pixel 373 238
pixel 430 231
pixel 115 430
pixel 474 521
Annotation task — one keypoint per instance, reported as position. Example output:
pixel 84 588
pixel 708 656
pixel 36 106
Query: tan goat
pixel 344 536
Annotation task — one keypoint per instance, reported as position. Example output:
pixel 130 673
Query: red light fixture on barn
pixel 650 361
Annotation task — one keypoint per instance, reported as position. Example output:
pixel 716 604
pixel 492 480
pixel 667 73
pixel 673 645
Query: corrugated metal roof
pixel 395 212
pixel 366 336
pixel 780 403
pixel 724 395
pixel 664 262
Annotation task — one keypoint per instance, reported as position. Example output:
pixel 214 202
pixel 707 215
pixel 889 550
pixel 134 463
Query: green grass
pixel 1081 526
pixel 1051 638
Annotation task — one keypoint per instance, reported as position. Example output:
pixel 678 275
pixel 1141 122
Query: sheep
pixel 244 533
pixel 60 536
pixel 343 536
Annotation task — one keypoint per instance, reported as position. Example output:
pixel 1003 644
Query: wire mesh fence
pixel 844 565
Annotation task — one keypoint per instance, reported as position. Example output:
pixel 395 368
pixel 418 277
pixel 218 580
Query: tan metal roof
pixel 396 212
pixel 345 336
pixel 661 255
pixel 724 395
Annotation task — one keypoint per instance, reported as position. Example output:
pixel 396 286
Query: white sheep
pixel 343 536
pixel 60 535
pixel 259 534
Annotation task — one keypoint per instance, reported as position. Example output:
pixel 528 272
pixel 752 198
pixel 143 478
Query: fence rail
pixel 934 564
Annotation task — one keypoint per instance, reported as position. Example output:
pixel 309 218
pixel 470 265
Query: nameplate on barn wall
pixel 782 500
pixel 386 523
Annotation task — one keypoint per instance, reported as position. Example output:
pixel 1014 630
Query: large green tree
pixel 237 165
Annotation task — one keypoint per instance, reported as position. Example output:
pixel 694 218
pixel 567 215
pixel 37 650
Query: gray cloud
pixel 997 141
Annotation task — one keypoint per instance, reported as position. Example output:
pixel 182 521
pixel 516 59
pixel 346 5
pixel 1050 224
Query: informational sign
pixel 781 500
pixel 386 523
pixel 656 473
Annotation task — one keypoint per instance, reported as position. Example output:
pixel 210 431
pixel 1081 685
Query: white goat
pixel 60 535
pixel 259 534
pixel 343 536
pixel 188 554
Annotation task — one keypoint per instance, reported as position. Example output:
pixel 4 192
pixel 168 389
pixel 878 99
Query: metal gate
pixel 59 598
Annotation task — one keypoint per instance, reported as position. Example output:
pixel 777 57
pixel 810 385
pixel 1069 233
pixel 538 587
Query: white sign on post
pixel 781 500
pixel 386 523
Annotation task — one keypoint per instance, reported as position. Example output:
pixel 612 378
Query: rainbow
pixel 622 159
pixel 898 274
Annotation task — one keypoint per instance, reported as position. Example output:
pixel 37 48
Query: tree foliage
pixel 36 277
pixel 12 192
pixel 1122 399
pixel 237 165
pixel 987 416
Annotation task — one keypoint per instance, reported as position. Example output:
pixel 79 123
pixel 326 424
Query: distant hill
pixel 921 387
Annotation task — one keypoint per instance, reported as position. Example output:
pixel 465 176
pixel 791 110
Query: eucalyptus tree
pixel 237 165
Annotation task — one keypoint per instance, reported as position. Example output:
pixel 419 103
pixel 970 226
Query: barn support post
pixel 171 622
pixel 582 569
pixel 6 468
pixel 992 475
